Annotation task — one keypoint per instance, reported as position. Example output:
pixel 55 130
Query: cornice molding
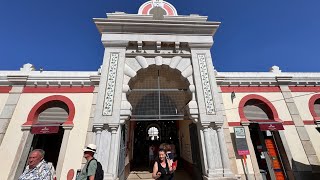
pixel 139 24
pixel 115 44
pixel 54 78
pixel 153 55
pixel 17 79
pixel 267 79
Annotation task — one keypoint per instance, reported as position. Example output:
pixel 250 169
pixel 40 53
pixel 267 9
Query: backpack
pixel 99 171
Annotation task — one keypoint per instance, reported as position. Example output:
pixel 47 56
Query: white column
pixel 111 162
pixel 98 130
pixel 223 152
pixel 209 152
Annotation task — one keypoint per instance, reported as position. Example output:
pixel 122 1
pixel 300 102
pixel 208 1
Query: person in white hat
pixel 89 169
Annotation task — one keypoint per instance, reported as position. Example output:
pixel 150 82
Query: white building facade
pixel 157 73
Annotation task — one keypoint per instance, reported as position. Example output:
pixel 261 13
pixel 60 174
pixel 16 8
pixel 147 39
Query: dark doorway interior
pixel 269 152
pixel 50 143
pixel 168 133
pixel 196 166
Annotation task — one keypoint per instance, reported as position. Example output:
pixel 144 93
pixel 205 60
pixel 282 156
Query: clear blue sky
pixel 253 36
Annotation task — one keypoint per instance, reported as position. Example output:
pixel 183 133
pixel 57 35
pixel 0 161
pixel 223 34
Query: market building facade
pixel 157 83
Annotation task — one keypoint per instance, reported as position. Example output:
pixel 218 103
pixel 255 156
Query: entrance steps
pixel 146 175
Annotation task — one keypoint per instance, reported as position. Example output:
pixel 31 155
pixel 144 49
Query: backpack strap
pixel 88 165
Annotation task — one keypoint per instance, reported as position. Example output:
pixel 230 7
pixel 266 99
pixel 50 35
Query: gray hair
pixel 41 152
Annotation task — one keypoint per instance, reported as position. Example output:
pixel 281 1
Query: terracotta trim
pixel 309 122
pixel 312 100
pixel 61 89
pixel 245 99
pixel 5 89
pixel 146 9
pixel 232 124
pixel 42 105
pixel 288 123
pixel 168 9
pixel 304 88
pixel 229 89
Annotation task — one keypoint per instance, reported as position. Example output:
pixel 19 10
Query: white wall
pixel 301 100
pixel 295 145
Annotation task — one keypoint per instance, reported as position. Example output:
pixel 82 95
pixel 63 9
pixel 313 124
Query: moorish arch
pixel 176 63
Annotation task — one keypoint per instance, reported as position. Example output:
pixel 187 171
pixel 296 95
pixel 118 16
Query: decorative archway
pixel 133 65
pixel 43 104
pixel 245 99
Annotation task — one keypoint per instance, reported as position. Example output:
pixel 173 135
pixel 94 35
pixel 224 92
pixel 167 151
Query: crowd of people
pixel 162 157
pixel 39 169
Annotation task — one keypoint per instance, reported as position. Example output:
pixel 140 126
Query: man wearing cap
pixel 89 169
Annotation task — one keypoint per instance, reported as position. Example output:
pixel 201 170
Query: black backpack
pixel 99 171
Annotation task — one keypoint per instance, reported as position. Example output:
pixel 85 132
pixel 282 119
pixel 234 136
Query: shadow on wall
pixel 304 171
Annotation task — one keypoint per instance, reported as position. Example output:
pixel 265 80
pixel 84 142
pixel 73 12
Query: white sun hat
pixel 90 147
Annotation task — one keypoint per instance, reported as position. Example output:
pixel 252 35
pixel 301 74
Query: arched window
pixel 58 109
pixel 56 112
pixel 255 109
pixel 317 107
pixel 314 107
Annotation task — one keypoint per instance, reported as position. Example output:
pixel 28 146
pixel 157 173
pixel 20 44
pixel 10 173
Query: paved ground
pixel 146 175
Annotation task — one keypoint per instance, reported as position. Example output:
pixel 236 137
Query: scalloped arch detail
pixel 178 63
pixel 174 63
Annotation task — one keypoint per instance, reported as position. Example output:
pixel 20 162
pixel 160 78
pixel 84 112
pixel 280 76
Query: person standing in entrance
pixel 89 169
pixel 162 169
pixel 151 154
pixel 37 167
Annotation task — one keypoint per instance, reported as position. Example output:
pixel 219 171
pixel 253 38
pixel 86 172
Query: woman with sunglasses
pixel 162 169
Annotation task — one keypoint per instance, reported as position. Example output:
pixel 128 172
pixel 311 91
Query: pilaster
pixel 90 138
pixel 63 148
pixel 9 109
pixel 22 154
pixel 110 88
pixel 254 162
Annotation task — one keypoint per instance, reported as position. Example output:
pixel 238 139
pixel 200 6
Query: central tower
pixel 157 67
